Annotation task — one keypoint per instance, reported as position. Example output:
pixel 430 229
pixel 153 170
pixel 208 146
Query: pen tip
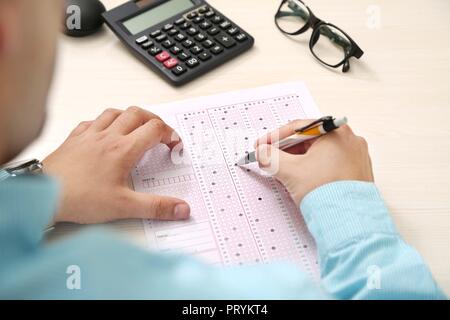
pixel 241 162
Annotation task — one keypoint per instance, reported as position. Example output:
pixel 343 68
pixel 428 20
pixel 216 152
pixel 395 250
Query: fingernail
pixel 175 137
pixel 263 155
pixel 182 211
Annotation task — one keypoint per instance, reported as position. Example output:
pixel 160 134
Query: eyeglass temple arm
pixel 327 32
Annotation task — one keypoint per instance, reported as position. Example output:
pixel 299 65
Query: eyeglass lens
pixel 292 16
pixel 330 45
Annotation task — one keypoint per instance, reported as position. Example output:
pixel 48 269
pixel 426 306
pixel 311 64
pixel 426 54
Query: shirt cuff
pixel 345 211
pixel 27 206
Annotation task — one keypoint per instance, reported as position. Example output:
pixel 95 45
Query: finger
pixel 276 162
pixel 282 132
pixel 105 119
pixel 131 119
pixel 146 206
pixel 151 134
pixel 175 140
pixel 301 148
pixel 82 127
pixel 285 132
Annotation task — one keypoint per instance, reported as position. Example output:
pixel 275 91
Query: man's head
pixel 28 32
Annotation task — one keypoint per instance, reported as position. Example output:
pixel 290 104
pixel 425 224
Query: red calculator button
pixel 163 56
pixel 169 64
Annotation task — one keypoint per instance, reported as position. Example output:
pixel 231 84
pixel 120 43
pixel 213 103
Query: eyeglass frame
pixel 315 23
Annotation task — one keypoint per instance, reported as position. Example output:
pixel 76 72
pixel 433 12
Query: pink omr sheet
pixel 239 215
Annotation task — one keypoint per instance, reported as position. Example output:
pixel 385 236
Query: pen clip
pixel 315 124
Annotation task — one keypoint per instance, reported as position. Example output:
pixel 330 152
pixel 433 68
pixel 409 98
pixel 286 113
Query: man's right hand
pixel 339 155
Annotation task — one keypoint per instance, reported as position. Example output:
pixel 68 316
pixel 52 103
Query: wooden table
pixel 397 97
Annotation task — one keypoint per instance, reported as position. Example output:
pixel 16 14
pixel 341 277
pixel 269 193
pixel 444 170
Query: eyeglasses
pixel 329 44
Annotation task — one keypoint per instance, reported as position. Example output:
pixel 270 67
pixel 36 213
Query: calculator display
pixel 155 15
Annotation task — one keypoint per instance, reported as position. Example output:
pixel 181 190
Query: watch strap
pixel 25 168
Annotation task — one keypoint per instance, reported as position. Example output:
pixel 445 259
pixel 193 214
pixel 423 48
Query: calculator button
pixel 176 50
pixel 183 56
pixel 154 51
pixel 213 31
pixel 172 32
pixel 196 49
pixel 191 15
pixel 225 25
pixel 188 43
pixel 203 10
pixel 179 70
pixel 141 40
pixel 232 31
pixel 200 37
pixel 180 37
pixel 185 25
pixel 192 31
pixel 197 20
pixel 216 19
pixel 207 43
pixel 168 44
pixel 147 45
pixel 204 56
pixel 205 25
pixel 226 40
pixel 241 37
pixel 170 63
pixel 209 14
pixel 167 27
pixel 192 62
pixel 161 38
pixel 179 21
pixel 155 33
pixel 163 56
pixel 216 49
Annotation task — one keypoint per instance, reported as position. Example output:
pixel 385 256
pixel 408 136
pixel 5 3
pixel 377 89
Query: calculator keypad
pixel 189 41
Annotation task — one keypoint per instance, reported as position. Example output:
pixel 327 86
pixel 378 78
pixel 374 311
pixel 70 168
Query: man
pixel 334 189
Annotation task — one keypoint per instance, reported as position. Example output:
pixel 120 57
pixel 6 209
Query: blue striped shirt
pixel 361 256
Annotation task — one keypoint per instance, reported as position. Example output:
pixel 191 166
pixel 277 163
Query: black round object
pixel 82 17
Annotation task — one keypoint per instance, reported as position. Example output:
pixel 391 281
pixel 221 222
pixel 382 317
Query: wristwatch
pixel 22 168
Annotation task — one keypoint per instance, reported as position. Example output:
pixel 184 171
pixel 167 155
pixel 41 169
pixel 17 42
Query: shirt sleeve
pixel 27 206
pixel 97 265
pixel 361 254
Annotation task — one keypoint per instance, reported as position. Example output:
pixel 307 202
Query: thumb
pixel 275 161
pixel 149 206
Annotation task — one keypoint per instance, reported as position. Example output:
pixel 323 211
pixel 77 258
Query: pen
pixel 313 130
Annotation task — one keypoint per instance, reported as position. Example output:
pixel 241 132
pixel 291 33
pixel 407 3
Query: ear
pixel 10 27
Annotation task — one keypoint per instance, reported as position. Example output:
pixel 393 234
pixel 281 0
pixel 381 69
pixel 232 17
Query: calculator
pixel 179 39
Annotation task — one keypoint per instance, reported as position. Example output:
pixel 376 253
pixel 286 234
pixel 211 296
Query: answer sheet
pixel 238 215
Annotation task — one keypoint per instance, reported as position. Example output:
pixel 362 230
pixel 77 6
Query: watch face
pixel 19 165
pixel 29 167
